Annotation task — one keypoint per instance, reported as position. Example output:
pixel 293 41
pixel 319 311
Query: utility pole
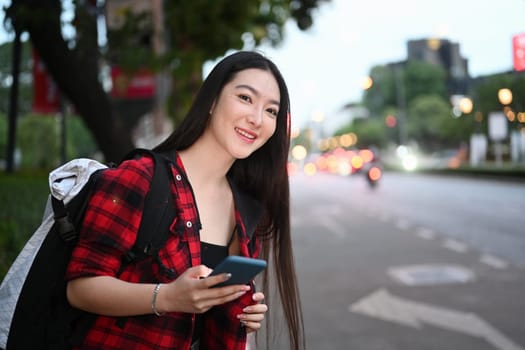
pixel 401 104
pixel 13 103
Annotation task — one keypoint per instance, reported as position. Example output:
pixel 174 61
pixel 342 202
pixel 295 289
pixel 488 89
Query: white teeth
pixel 245 134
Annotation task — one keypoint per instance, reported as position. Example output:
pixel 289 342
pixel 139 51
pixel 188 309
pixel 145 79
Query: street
pixel 420 262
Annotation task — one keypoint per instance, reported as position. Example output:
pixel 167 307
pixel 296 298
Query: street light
pixel 461 105
pixel 516 137
pixel 367 83
pixel 505 96
pixel 465 105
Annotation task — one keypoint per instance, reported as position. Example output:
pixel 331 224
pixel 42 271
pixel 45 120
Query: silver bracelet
pixel 154 300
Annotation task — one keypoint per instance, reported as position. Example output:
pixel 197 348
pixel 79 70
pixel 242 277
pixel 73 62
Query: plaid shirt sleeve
pixel 112 220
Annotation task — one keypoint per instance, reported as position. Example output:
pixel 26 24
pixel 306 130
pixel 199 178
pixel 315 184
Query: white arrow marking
pixel 385 306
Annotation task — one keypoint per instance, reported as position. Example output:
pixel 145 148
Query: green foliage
pixel 199 31
pixel 25 85
pixel 38 141
pixel 38 138
pixel 131 43
pixel 485 92
pixel 383 91
pixel 193 32
pixel 80 141
pixel 22 202
pixel 3 135
pixel 421 88
pixel 370 132
pixel 421 78
pixel 431 123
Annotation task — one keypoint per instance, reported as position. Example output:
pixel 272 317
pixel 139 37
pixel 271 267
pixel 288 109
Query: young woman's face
pixel 244 116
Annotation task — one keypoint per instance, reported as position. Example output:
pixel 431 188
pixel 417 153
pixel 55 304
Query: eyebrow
pixel 255 92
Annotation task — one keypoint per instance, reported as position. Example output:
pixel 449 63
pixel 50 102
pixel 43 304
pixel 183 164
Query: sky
pixel 325 66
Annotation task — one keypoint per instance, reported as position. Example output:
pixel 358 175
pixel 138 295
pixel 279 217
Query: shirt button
pixel 189 224
pixel 178 177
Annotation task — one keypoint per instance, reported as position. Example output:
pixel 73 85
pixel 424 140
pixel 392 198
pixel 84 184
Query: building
pixel 446 54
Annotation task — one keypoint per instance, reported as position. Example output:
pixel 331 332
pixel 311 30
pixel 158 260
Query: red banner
pixel 46 97
pixel 140 84
pixel 518 51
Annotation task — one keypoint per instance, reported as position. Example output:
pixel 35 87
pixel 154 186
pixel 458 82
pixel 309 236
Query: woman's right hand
pixel 191 292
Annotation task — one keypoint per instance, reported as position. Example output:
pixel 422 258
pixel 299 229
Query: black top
pixel 211 256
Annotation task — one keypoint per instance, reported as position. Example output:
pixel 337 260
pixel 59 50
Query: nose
pixel 255 117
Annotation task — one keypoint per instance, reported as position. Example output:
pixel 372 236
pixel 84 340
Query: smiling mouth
pixel 245 134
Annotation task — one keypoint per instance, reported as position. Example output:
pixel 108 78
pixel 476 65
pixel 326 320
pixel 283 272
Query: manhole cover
pixel 415 275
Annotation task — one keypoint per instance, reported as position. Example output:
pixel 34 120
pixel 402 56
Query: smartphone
pixel 242 269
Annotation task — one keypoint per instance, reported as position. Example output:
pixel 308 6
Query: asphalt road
pixel 421 262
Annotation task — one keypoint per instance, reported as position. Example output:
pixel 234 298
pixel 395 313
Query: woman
pixel 232 198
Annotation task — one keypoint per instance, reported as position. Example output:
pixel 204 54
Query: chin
pixel 242 156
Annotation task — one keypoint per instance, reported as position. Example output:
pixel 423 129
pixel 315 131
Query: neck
pixel 204 165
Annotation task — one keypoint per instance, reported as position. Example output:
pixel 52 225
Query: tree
pixel 485 92
pixel 74 66
pixel 198 31
pixel 26 92
pixel 382 93
pixel 369 131
pixel 432 125
pixel 421 78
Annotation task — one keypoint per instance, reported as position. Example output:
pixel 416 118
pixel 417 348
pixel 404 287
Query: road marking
pixel 402 225
pixel 455 246
pixel 382 305
pixel 425 233
pixel 431 274
pixel 494 262
pixel 331 224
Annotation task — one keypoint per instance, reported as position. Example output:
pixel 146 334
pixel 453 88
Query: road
pixel 420 262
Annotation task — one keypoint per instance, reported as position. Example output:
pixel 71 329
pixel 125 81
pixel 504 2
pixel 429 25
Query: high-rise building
pixel 445 54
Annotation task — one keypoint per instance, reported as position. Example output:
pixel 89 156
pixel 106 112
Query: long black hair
pixel 263 175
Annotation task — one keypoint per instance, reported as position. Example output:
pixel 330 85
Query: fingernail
pixel 228 276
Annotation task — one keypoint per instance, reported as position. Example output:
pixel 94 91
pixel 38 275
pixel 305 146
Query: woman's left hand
pixel 253 315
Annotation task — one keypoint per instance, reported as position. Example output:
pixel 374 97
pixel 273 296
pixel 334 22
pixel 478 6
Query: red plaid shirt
pixel 110 226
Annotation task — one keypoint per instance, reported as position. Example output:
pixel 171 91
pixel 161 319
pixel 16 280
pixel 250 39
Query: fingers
pixel 211 281
pixel 258 297
pixel 252 322
pixel 189 293
pixel 253 315
pixel 198 271
pixel 209 297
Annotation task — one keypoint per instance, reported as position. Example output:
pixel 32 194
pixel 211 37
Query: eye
pixel 245 98
pixel 272 111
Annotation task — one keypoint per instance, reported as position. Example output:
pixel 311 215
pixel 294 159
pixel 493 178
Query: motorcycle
pixel 373 174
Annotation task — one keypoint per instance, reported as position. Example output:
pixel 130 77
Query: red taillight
pixel 374 173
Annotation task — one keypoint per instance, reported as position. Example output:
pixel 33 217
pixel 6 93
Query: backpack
pixel 34 311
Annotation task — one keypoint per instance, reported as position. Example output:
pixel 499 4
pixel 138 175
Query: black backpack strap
pixel 158 212
pixel 65 228
pixel 68 217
